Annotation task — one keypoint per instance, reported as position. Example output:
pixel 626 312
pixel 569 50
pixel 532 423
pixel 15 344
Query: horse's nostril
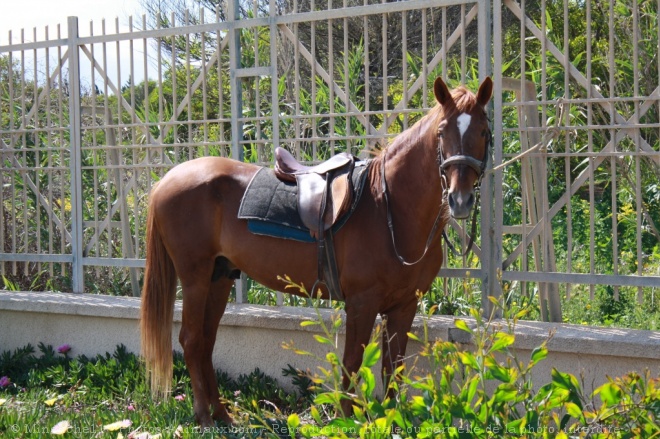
pixel 452 202
pixel 470 201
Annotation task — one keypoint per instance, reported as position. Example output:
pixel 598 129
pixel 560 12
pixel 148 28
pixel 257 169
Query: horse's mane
pixel 464 100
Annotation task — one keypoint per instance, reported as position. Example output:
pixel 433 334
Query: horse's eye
pixel 484 133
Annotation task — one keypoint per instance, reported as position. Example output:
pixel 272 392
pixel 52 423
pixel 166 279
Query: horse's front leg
pixel 395 339
pixel 360 317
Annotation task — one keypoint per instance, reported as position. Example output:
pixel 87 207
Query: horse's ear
pixel 442 94
pixel 485 92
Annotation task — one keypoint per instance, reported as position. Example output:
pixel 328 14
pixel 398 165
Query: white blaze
pixel 463 123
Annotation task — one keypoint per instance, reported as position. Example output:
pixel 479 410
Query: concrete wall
pixel 251 336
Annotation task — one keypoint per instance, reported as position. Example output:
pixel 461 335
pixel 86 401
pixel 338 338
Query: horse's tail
pixel 157 311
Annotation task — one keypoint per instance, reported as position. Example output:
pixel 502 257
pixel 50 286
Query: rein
pixel 390 222
pixel 479 167
pixel 472 234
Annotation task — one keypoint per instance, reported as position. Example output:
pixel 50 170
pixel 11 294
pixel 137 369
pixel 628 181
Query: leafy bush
pixel 486 392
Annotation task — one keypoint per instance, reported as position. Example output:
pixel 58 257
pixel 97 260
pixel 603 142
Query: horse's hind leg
pixel 192 339
pixel 215 308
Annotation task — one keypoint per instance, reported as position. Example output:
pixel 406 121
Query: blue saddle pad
pixel 271 206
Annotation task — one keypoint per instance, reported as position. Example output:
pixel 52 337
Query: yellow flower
pixel 50 402
pixel 118 425
pixel 2 401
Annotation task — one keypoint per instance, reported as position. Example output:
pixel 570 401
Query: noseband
pixel 462 159
pixel 479 166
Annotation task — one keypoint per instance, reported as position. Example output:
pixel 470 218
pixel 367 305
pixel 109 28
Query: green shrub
pixel 484 392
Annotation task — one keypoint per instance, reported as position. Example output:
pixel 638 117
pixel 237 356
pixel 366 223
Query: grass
pixel 107 397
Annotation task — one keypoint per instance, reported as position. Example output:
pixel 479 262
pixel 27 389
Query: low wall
pixel 251 336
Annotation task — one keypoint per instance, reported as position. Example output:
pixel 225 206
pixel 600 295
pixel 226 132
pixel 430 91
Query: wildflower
pixel 64 349
pixel 118 425
pixel 5 381
pixel 130 408
pixel 60 428
pixel 180 397
pixel 50 402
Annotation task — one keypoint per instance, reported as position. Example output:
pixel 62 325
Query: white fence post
pixel 236 103
pixel 75 161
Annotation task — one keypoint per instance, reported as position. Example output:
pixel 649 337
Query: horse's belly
pixel 270 261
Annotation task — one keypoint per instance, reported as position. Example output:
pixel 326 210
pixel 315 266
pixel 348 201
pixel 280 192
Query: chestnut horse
pixel 387 250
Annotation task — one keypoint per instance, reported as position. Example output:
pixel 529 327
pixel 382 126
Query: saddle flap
pixel 341 192
pixel 311 200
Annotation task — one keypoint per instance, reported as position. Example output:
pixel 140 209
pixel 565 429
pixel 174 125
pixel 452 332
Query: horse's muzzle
pixel 460 203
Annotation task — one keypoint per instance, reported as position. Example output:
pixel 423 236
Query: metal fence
pixel 90 122
pixel 588 196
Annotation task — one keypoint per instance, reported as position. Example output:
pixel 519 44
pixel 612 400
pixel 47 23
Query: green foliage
pixel 608 309
pixel 483 392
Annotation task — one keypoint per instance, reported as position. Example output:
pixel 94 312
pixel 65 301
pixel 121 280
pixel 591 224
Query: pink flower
pixel 5 381
pixel 130 408
pixel 180 397
pixel 64 349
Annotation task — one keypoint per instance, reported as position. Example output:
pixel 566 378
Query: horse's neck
pixel 413 181
pixel 411 165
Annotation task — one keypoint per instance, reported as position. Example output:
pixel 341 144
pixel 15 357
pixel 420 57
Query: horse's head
pixel 464 138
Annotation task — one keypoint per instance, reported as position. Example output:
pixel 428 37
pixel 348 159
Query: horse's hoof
pixel 224 416
pixel 206 424
pixel 207 427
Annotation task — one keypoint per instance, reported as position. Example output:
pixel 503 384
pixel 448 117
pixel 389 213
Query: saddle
pixel 325 194
pixel 325 191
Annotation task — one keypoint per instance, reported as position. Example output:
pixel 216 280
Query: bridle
pixel 456 160
pixel 479 166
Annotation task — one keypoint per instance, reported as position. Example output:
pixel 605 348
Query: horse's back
pixel 202 173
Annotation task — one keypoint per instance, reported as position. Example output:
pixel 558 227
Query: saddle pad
pixel 271 205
